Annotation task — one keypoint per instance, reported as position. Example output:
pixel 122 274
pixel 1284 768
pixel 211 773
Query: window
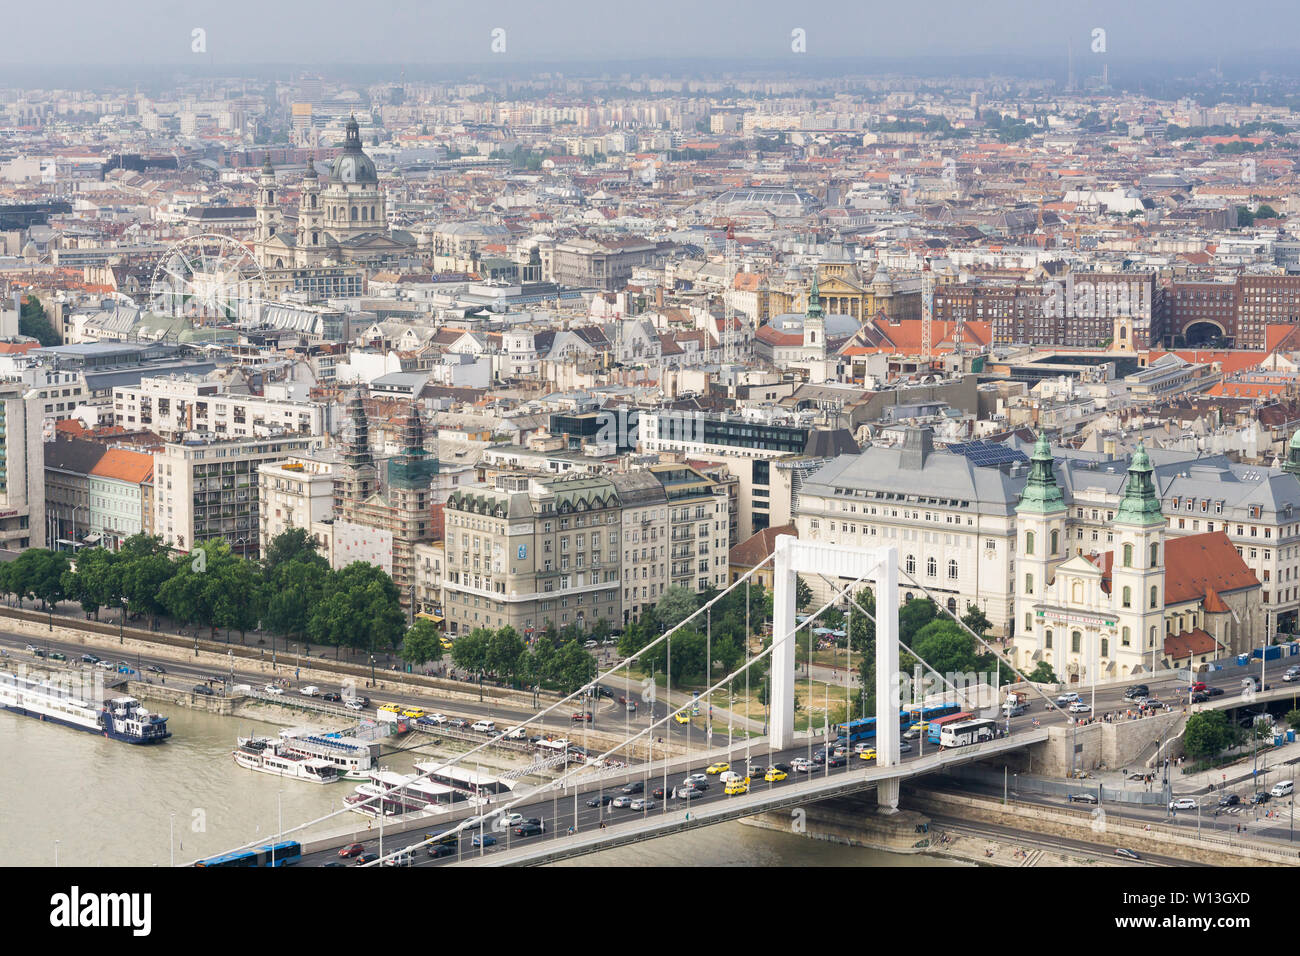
pixel 1056 541
pixel 1127 597
pixel 1029 621
pixel 910 564
pixel 1076 639
pixel 952 569
pixel 1047 641
pixel 1105 647
pixel 1029 584
pixel 931 567
pixel 1126 637
pixel 1154 595
pixel 1029 542
pixel 1155 555
pixel 1128 555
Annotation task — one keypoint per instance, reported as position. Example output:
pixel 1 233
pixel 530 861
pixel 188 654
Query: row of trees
pixel 555 659
pixel 292 592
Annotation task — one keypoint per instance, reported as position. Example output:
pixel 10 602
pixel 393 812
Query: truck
pixel 1016 703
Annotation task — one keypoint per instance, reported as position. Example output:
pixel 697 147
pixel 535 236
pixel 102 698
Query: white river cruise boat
pixel 269 755
pixel 402 794
pixel 122 718
pixel 354 759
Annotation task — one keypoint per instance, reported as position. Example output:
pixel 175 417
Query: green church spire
pixel 1140 505
pixel 814 300
pixel 1041 494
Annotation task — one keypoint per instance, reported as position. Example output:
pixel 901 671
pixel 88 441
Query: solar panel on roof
pixel 988 454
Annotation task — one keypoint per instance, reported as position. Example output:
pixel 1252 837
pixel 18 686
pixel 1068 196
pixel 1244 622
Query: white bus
pixel 967 732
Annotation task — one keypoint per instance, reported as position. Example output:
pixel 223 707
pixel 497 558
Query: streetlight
pixel 121 623
pixel 372 670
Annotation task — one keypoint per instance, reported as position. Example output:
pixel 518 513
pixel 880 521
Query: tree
pixel 469 653
pixel 945 647
pixel 675 606
pixel 1266 211
pixel 1292 719
pixel 292 544
pixel 141 576
pixel 239 601
pixel 191 594
pixel 33 322
pixel 360 610
pixel 1207 734
pixel 802 593
pixel 294 588
pixel 504 654
pixel 1043 674
pixel 976 620
pixel 913 616
pixel 95 583
pixel 423 643
pixel 862 629
pixel 573 667
pixel 39 574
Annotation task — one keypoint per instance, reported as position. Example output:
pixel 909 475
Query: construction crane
pixel 927 311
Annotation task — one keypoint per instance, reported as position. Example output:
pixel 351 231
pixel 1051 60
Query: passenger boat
pixel 122 718
pixel 353 759
pixel 400 794
pixel 269 755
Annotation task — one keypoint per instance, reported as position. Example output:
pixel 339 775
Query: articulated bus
pixel 916 715
pixel 285 854
pixel 936 726
pixel 863 729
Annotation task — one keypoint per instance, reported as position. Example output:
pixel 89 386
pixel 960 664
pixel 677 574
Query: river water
pixel 94 802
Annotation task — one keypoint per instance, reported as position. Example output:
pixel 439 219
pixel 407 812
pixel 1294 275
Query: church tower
pixel 1292 464
pixel 357 479
pixel 353 204
pixel 814 326
pixel 269 219
pixel 1138 575
pixel 1040 547
pixel 311 225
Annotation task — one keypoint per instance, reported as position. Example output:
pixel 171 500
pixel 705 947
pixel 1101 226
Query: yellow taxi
pixel 446 644
pixel 868 754
pixel 774 776
pixel 737 787
pixel 415 713
pixel 717 767
pixel 390 708
pixel 682 717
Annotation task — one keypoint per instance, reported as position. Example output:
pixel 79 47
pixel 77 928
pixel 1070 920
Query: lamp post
pixel 372 670
pixel 121 624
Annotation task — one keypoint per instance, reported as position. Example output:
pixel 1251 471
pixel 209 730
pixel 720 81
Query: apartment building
pixel 120 497
pixel 176 407
pixel 296 492
pixel 209 489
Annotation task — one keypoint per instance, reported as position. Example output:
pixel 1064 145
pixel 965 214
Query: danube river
pixel 88 801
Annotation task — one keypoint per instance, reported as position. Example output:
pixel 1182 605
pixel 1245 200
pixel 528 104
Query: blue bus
pixel 285 854
pixel 916 715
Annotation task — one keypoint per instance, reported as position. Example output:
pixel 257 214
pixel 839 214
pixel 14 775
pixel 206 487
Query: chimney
pixel 918 443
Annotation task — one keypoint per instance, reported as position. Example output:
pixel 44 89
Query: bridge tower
pixel 878 567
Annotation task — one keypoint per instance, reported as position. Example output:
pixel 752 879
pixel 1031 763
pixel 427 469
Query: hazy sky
pixel 141 33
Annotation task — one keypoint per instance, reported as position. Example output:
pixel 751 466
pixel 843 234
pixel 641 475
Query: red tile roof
pixel 1188 644
pixel 1198 564
pixel 124 465
pixel 751 552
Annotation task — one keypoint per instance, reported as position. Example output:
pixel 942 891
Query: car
pixel 755 770
pixel 630 707
pixel 514 733
pixel 1183 803
pixel 311 690
pixel 1229 800
pixel 31 648
pixel 719 767
pixel 435 718
pixel 351 850
pixel 274 689
pixel 437 850
pixel 528 829
pixel 203 689
pixel 152 668
pixel 622 802
pixel 365 858
pixel 688 793
pixel 695 779
pixel 352 703
pixel 483 726
pixel 511 819
pixel 774 776
pixel 483 840
pixel 332 698
pixel 601 800
pixel 1283 788
pixel 458 722
pixel 1082 798
pixel 38 652
pixel 728 776
pixel 1126 854
pixel 868 753
pixel 737 787
pixel 105 665
pixel 334 863
pixel 580 717
pixel 1199 685
pixel 1292 674
pixel 904 747
pixel 1214 691
pixel 58 656
pixel 682 717
pixel 661 792
pixel 415 713
pixel 634 786
pixel 1065 699
pixel 590 644
pixel 783 767
pixel 642 803
pixel 801 765
pixel 1261 796
pixel 837 760
pixel 89 659
pixel 1200 697
pixel 1079 707
pixel 1151 703
pixel 913 732
pixel 1137 690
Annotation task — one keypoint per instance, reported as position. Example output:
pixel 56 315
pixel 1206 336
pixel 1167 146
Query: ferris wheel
pixel 207 278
